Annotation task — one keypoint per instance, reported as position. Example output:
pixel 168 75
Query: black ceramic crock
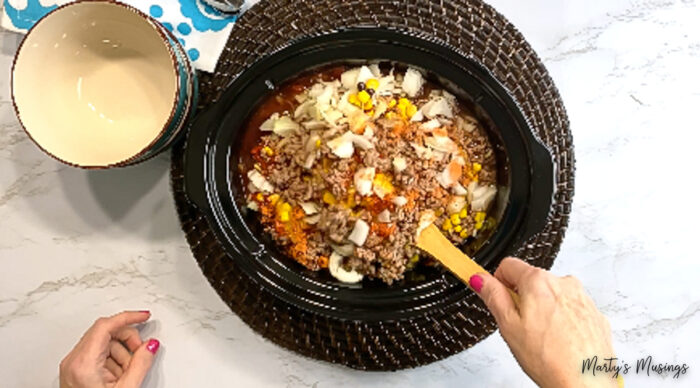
pixel 214 185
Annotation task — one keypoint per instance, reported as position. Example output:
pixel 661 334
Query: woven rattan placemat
pixel 477 31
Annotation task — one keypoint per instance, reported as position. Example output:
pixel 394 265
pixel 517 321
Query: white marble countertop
pixel 77 244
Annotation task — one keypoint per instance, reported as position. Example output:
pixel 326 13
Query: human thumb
pixel 140 364
pixel 495 295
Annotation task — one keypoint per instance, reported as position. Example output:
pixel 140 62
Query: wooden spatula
pixel 433 242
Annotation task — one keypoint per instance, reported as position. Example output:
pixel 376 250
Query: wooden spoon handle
pixel 433 242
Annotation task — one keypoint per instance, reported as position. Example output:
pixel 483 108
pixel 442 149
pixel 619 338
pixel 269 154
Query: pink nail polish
pixel 476 282
pixel 153 345
pixel 145 311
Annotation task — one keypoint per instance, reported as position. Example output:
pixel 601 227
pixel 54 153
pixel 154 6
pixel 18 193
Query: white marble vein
pixel 75 245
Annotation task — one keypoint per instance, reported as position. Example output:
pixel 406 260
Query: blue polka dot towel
pixel 202 30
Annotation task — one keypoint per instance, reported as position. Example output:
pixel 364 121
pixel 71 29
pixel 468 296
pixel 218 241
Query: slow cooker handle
pixel 195 154
pixel 542 190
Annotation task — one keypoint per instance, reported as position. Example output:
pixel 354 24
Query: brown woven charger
pixel 477 31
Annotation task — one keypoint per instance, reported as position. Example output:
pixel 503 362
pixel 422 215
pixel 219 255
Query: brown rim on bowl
pixel 173 57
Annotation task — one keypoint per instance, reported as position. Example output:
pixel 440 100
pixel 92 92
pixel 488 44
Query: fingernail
pixel 476 282
pixel 153 345
pixel 145 311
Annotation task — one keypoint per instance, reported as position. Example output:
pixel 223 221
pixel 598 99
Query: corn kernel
pixel 392 103
pixel 329 198
pixel 458 229
pixel 363 96
pixel 257 166
pixel 372 83
pixel 273 198
pixel 284 216
pixel 368 105
pixel 402 110
pixel 479 225
pixel 447 225
pixel 480 217
pixel 383 183
pixel 463 213
pixel 318 143
pixel 455 219
pixel 268 151
pixel 390 115
pixel 352 98
pixel 476 167
pixel 463 233
pixel 411 110
pixel 415 258
pixel 404 102
pixel 259 197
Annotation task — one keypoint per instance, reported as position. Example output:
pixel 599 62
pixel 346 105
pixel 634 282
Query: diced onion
pixel 422 152
pixel 341 146
pixel 349 78
pixel 361 141
pixel 314 125
pixel 418 116
pixel 369 131
pixel 386 85
pixel 440 107
pixel 432 124
pixel 269 124
pixel 302 109
pixel 427 217
pixel 259 181
pixel 359 233
pixel 335 263
pixel 437 106
pixel 309 208
pixel 441 143
pixel 458 189
pixel 332 116
pixel 481 196
pixel 364 74
pixel 456 204
pixel 316 90
pixel 285 126
pixel 357 121
pixel 363 180
pixel 309 161
pixel 399 201
pixel 374 68
pixel 399 163
pixel 311 143
pixel 412 82
pixel 384 216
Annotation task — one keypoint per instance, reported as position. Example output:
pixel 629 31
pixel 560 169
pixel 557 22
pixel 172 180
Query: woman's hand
pixel 110 354
pixel 553 329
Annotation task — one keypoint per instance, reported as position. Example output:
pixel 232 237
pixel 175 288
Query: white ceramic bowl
pixel 98 84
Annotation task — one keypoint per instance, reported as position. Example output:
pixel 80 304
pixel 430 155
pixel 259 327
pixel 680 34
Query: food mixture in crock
pixel 354 161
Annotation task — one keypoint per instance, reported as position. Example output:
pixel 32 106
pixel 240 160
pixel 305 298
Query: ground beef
pixel 388 249
pixel 335 223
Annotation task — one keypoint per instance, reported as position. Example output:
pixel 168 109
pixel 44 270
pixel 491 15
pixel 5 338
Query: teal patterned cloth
pixel 202 30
